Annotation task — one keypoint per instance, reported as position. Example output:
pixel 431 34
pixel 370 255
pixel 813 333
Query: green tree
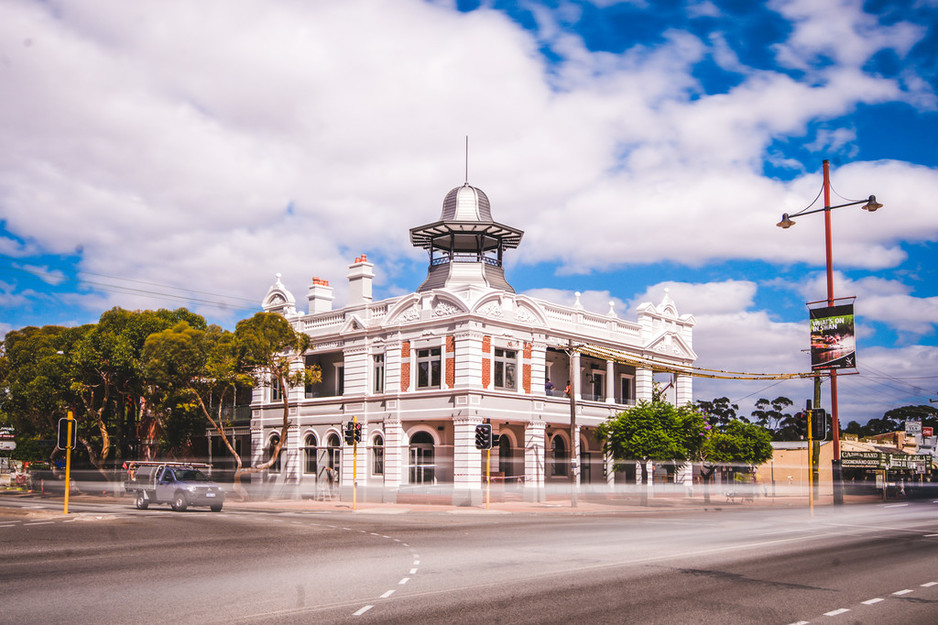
pixel 771 414
pixel 653 430
pixel 35 388
pixel 720 411
pixel 195 371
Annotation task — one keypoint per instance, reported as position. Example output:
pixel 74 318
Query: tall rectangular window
pixel 429 368
pixel 340 380
pixel 506 364
pixel 379 373
pixel 276 394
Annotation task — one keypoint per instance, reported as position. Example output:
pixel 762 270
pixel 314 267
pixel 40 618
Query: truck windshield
pixel 190 475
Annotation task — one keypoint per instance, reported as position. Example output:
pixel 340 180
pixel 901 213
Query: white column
pixel 395 452
pixel 610 382
pixel 534 461
pixel 644 384
pixel 467 463
pixel 683 389
pixel 575 382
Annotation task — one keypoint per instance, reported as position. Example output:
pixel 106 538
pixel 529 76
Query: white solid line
pixel 363 610
pixel 40 523
pixel 413 571
pixel 836 612
pixel 872 601
pixel 387 594
pixel 929 584
pixel 403 581
pixel 902 592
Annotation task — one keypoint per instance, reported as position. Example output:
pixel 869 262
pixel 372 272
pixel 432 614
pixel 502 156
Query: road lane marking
pixel 872 601
pixel 40 523
pixel 929 584
pixel 902 592
pixel 930 535
pixel 387 594
pixel 363 610
pixel 800 623
pixel 403 581
pixel 836 612
pixel 413 571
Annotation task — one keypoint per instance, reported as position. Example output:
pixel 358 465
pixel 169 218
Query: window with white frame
pixel 429 367
pixel 276 394
pixel 625 389
pixel 378 371
pixel 339 379
pixel 377 455
pixel 506 364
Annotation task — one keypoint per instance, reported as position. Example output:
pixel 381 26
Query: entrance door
pixel 421 459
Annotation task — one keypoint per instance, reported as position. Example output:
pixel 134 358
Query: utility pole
pixel 574 439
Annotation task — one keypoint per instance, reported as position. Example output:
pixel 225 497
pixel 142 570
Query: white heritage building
pixel 420 371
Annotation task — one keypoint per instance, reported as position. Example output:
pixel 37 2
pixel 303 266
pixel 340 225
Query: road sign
pixel 6 445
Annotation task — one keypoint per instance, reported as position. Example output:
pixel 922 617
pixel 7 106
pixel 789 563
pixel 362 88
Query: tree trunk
pixel 643 492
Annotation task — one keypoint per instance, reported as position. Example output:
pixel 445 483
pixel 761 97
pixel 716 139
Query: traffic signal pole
pixel 68 457
pixel 355 464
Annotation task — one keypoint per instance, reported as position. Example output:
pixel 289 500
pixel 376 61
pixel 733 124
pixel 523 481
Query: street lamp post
pixel 870 204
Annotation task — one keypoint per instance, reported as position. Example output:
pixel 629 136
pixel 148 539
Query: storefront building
pixel 420 371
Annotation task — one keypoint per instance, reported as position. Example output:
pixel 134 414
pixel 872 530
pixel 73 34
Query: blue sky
pixel 166 154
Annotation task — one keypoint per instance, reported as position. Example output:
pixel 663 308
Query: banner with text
pixel 833 345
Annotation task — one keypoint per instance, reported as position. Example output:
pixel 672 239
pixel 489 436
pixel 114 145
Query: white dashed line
pixel 40 523
pixel 403 581
pixel 902 592
pixel 930 535
pixel 413 571
pixel 836 612
pixel 387 594
pixel 799 623
pixel 929 584
pixel 872 601
pixel 363 610
pixel 416 562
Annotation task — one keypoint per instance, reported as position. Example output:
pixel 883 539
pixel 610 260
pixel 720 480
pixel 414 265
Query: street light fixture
pixel 870 204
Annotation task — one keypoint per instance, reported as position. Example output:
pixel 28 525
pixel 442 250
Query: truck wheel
pixel 179 502
pixel 216 507
pixel 142 501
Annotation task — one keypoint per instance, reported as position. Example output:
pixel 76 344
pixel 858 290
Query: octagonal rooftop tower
pixel 466 245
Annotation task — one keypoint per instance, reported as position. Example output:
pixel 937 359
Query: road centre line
pixel 836 612
pixel 872 601
pixel 929 584
pixel 403 581
pixel 363 610
pixel 387 594
pixel 413 571
pixel 902 592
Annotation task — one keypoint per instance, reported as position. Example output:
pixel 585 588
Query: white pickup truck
pixel 180 484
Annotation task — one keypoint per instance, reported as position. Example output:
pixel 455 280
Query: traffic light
pixel 358 432
pixel 484 436
pixel 820 426
pixel 61 440
pixel 349 433
pixel 801 424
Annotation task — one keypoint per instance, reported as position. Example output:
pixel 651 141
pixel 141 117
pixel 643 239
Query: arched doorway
pixel 505 456
pixel 559 457
pixel 422 467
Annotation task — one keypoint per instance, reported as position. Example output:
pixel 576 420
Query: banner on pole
pixel 833 345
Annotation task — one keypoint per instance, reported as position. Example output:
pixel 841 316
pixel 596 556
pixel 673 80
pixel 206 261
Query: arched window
pixel 309 454
pixel 558 452
pixel 377 455
pixel 421 458
pixel 271 448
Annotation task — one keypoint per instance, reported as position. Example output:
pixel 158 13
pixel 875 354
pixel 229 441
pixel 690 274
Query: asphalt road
pixel 114 564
